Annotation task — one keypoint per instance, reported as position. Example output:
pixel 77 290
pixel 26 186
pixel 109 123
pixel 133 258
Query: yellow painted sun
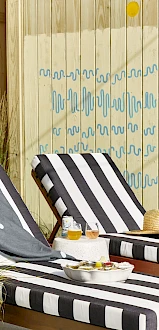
pixel 133 8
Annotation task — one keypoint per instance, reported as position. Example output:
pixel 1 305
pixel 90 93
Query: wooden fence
pixel 3 73
pixel 83 77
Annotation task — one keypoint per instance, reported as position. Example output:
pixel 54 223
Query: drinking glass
pixel 75 231
pixel 92 230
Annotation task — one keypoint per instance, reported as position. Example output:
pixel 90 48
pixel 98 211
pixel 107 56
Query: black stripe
pixel 97 314
pixel 36 299
pixel 114 247
pixel 60 189
pixel 124 183
pixel 87 193
pixel 40 171
pixel 53 195
pixel 138 251
pixel 111 193
pixel 143 283
pixel 130 320
pixel 65 306
pixel 133 310
pixel 21 207
pixel 8 293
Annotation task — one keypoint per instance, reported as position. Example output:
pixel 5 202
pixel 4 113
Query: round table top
pixel 82 240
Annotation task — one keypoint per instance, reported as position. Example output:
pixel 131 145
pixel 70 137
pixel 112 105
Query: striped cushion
pixel 133 305
pixel 142 248
pixel 13 207
pixel 90 188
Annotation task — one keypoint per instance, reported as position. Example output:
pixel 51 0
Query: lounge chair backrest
pixel 90 188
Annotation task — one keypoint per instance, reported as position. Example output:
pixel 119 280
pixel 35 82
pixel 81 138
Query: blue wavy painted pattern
pixel 150 101
pixel 132 127
pixel 87 102
pixel 118 129
pixel 99 150
pixel 149 130
pixel 90 132
pixel 103 79
pixel 74 102
pixel 58 102
pixel 43 148
pixel 132 149
pixel 134 73
pixel 138 181
pixel 56 131
pixel 119 76
pixel 103 130
pixel 150 70
pixel 100 77
pixel 73 130
pixel 104 102
pixel 149 149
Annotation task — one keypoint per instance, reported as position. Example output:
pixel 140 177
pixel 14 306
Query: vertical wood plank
pixel 3 73
pixel 134 103
pixel 44 98
pixel 150 104
pixel 118 83
pixel 102 75
pixel 73 74
pixel 31 103
pixel 88 95
pixel 59 76
pixel 13 90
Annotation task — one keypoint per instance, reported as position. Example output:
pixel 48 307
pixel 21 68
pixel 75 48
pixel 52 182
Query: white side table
pixel 83 249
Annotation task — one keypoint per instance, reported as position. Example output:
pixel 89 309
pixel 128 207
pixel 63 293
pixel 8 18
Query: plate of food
pixel 98 272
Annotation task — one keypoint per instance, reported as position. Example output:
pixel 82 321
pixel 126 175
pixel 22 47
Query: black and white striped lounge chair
pixel 39 296
pixel 91 188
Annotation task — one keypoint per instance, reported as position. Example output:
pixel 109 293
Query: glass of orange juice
pixel 75 231
pixel 92 230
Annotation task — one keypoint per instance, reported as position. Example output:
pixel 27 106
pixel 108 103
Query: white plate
pixel 100 276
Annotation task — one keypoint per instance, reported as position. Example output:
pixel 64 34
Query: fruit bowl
pixel 100 275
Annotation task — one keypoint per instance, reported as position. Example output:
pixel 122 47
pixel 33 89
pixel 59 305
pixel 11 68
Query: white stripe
pixel 74 191
pixel 144 278
pixel 150 253
pixel 60 206
pixel 85 291
pixel 14 207
pixel 35 162
pixel 126 249
pixel 107 243
pixel 119 189
pixel 99 193
pixel 137 238
pixel 142 322
pixel 22 297
pixel 81 310
pixel 47 183
pixel 50 303
pixel 134 288
pixel 113 318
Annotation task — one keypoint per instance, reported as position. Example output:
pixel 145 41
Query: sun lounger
pixel 91 188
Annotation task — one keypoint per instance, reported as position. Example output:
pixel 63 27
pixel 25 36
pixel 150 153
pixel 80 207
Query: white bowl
pixel 99 276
